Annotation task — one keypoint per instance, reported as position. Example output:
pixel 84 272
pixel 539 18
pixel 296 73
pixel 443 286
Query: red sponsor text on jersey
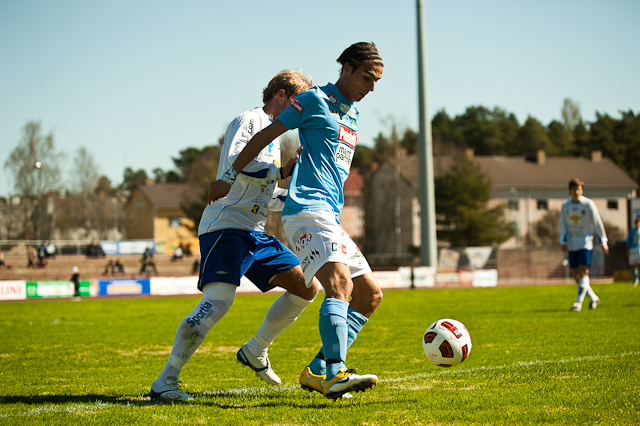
pixel 347 136
pixel 297 106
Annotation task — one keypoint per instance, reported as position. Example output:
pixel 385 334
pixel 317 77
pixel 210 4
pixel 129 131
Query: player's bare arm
pixel 287 169
pixel 221 187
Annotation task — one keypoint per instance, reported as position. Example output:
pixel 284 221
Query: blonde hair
pixel 292 81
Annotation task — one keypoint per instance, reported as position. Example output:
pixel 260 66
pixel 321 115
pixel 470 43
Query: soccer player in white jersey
pixel 633 249
pixel 327 122
pixel 579 221
pixel 233 243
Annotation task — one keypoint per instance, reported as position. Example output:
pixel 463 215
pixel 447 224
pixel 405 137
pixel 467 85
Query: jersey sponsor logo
pixel 344 156
pixel 296 105
pixel 203 314
pixel 310 259
pixel 339 247
pixel 255 209
pixel 250 127
pixel 301 239
pixel 333 99
pixel 347 136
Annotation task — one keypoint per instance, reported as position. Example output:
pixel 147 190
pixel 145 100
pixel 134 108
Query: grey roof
pixel 554 172
pixel 165 195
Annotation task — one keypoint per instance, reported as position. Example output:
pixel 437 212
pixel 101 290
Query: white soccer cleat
pixel 576 308
pixel 169 391
pixel 260 364
pixel 347 381
pixel 594 304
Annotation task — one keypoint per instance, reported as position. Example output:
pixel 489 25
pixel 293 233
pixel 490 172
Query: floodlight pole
pixel 429 249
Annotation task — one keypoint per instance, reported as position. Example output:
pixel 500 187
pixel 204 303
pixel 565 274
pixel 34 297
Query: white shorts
pixel 634 256
pixel 317 238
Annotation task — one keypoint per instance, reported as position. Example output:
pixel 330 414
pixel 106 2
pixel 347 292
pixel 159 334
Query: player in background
pixel 327 122
pixel 579 218
pixel 633 249
pixel 233 243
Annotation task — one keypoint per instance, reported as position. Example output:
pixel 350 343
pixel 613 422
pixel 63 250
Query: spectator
pixel 118 267
pixel 148 263
pixel 42 255
pixel 32 256
pixel 177 253
pixel 109 268
pixel 51 250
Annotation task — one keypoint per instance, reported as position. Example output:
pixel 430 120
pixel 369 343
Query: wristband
pixel 229 176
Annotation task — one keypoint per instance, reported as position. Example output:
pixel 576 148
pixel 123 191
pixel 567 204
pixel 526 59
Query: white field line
pixel 269 391
pixel 514 365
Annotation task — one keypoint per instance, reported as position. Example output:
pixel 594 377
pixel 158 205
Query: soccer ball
pixel 446 343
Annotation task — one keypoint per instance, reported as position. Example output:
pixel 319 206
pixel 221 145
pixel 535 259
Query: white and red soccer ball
pixel 446 342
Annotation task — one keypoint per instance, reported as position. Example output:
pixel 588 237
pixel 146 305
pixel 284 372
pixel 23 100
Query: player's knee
pixel 376 299
pixel 312 291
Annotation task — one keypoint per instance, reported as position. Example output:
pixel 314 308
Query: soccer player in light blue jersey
pixel 233 243
pixel 633 249
pixel 327 122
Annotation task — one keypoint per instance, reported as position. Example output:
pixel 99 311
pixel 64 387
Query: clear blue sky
pixel 137 81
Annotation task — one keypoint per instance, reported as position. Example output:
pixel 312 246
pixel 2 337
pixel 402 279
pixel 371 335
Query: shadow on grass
pixel 63 399
pixel 200 399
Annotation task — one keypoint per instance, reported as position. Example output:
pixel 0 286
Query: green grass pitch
pixel 532 362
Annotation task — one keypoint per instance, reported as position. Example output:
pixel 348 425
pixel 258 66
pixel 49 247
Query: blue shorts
pixel 579 258
pixel 228 254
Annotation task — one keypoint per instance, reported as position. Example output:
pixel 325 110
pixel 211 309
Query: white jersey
pixel 578 221
pixel 255 190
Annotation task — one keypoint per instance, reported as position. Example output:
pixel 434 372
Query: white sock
pixel 218 298
pixel 590 293
pixel 284 312
pixel 583 284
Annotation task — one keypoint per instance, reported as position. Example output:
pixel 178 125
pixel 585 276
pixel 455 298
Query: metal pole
pixel 428 251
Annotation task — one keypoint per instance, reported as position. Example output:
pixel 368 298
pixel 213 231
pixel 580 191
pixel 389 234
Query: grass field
pixel 533 362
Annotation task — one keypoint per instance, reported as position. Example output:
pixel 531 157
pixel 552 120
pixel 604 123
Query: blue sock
pixel 635 274
pixel 333 331
pixel 355 322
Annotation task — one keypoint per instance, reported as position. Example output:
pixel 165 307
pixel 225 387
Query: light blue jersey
pixel 633 239
pixel 328 127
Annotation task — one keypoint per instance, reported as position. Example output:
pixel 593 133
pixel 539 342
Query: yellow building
pixel 153 212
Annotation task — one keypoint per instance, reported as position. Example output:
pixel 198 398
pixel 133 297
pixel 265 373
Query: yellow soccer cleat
pixel 310 381
pixel 347 381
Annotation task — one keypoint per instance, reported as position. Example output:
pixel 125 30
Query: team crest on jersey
pixel 347 109
pixel 333 99
pixel 296 105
